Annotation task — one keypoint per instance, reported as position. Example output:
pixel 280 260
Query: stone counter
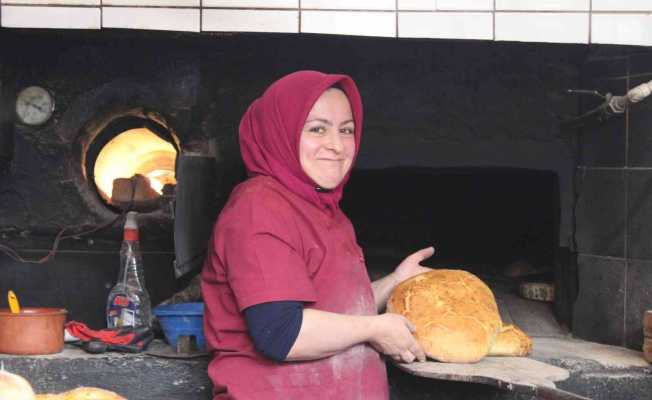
pixel 596 371
pixel 134 376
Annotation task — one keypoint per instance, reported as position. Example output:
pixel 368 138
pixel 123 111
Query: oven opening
pixel 501 224
pixel 132 163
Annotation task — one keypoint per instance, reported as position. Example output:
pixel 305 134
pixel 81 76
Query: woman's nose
pixel 334 142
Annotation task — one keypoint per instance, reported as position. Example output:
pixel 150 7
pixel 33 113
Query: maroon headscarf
pixel 271 128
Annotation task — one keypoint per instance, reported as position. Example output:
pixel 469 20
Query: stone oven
pixel 470 146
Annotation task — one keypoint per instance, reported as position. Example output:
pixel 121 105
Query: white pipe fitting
pixel 618 104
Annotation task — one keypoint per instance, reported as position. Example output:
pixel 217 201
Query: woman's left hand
pixel 411 265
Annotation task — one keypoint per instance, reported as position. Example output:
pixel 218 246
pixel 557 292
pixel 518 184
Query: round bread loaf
pixel 455 314
pixel 91 393
pixel 82 393
pixel 14 387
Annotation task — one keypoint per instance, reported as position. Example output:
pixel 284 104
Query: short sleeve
pixel 260 253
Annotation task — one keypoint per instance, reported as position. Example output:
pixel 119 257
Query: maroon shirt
pixel 269 245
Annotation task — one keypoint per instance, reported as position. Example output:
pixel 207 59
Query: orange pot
pixel 32 331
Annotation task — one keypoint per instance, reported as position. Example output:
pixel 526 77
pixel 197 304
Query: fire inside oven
pixel 132 163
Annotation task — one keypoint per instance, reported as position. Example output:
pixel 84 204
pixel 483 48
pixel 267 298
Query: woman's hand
pixel 392 336
pixel 411 265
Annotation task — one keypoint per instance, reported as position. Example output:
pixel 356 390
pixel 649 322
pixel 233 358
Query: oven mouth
pixel 131 164
pixel 498 222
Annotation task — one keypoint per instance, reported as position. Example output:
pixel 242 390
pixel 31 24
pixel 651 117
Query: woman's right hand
pixel 393 336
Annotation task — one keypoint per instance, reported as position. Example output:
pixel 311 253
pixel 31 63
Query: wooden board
pixel 519 374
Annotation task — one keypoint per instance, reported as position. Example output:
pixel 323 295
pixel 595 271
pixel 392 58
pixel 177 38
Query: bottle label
pixel 121 312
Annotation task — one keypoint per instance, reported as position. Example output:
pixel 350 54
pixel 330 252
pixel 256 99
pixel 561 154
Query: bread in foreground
pixel 14 387
pixel 82 393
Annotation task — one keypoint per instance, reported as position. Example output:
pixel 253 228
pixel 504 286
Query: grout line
pixel 641 75
pixel 257 8
pixel 627 85
pixel 396 16
pixel 629 260
pixel 614 168
pixel 627 214
pixel 313 9
pixel 92 6
pixel 590 21
pixel 636 12
pixel 604 257
pixel 493 15
pixel 524 11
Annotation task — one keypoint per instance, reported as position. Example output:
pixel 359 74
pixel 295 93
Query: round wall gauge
pixel 34 105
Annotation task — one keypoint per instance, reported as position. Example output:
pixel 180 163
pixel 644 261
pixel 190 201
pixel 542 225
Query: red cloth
pixel 278 239
pixel 110 336
pixel 271 128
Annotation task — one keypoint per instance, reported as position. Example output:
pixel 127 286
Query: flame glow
pixel 136 151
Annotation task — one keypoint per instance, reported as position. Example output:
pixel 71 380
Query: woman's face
pixel 327 142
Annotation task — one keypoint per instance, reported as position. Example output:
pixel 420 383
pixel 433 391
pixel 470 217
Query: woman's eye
pixel 317 129
pixel 347 131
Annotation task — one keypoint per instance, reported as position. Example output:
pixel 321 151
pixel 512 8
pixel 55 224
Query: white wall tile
pixel 158 3
pixel 361 23
pixel 250 21
pixel 252 3
pixel 349 4
pixel 622 5
pixel 446 25
pixel 50 17
pixel 165 19
pixel 633 29
pixel 465 5
pixel 543 5
pixel 543 27
pixel 430 5
pixel 54 2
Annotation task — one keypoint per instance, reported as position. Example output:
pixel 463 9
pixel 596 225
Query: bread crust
pixel 511 341
pixel 82 393
pixel 455 314
pixel 14 387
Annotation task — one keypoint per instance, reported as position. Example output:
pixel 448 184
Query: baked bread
pixel 14 387
pixel 82 393
pixel 511 341
pixel 456 316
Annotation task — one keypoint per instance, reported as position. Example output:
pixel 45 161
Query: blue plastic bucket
pixel 183 319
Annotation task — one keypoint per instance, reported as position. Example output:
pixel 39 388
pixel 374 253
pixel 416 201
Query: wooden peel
pixel 14 306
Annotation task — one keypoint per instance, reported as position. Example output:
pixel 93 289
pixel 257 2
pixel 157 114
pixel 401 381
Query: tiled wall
pixel 614 206
pixel 554 21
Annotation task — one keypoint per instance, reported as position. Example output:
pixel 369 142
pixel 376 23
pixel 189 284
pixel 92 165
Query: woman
pixel 290 311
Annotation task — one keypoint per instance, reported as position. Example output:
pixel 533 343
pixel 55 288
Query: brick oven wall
pixel 614 205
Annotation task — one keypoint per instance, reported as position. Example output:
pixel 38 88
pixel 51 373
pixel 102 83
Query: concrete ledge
pixel 134 376
pixel 597 371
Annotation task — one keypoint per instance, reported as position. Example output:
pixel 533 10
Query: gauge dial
pixel 34 105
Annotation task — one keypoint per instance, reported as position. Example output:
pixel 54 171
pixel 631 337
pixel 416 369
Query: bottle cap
pixel 130 221
pixel 131 226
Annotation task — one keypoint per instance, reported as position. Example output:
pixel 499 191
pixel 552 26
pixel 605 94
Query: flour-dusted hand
pixel 393 336
pixel 411 265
